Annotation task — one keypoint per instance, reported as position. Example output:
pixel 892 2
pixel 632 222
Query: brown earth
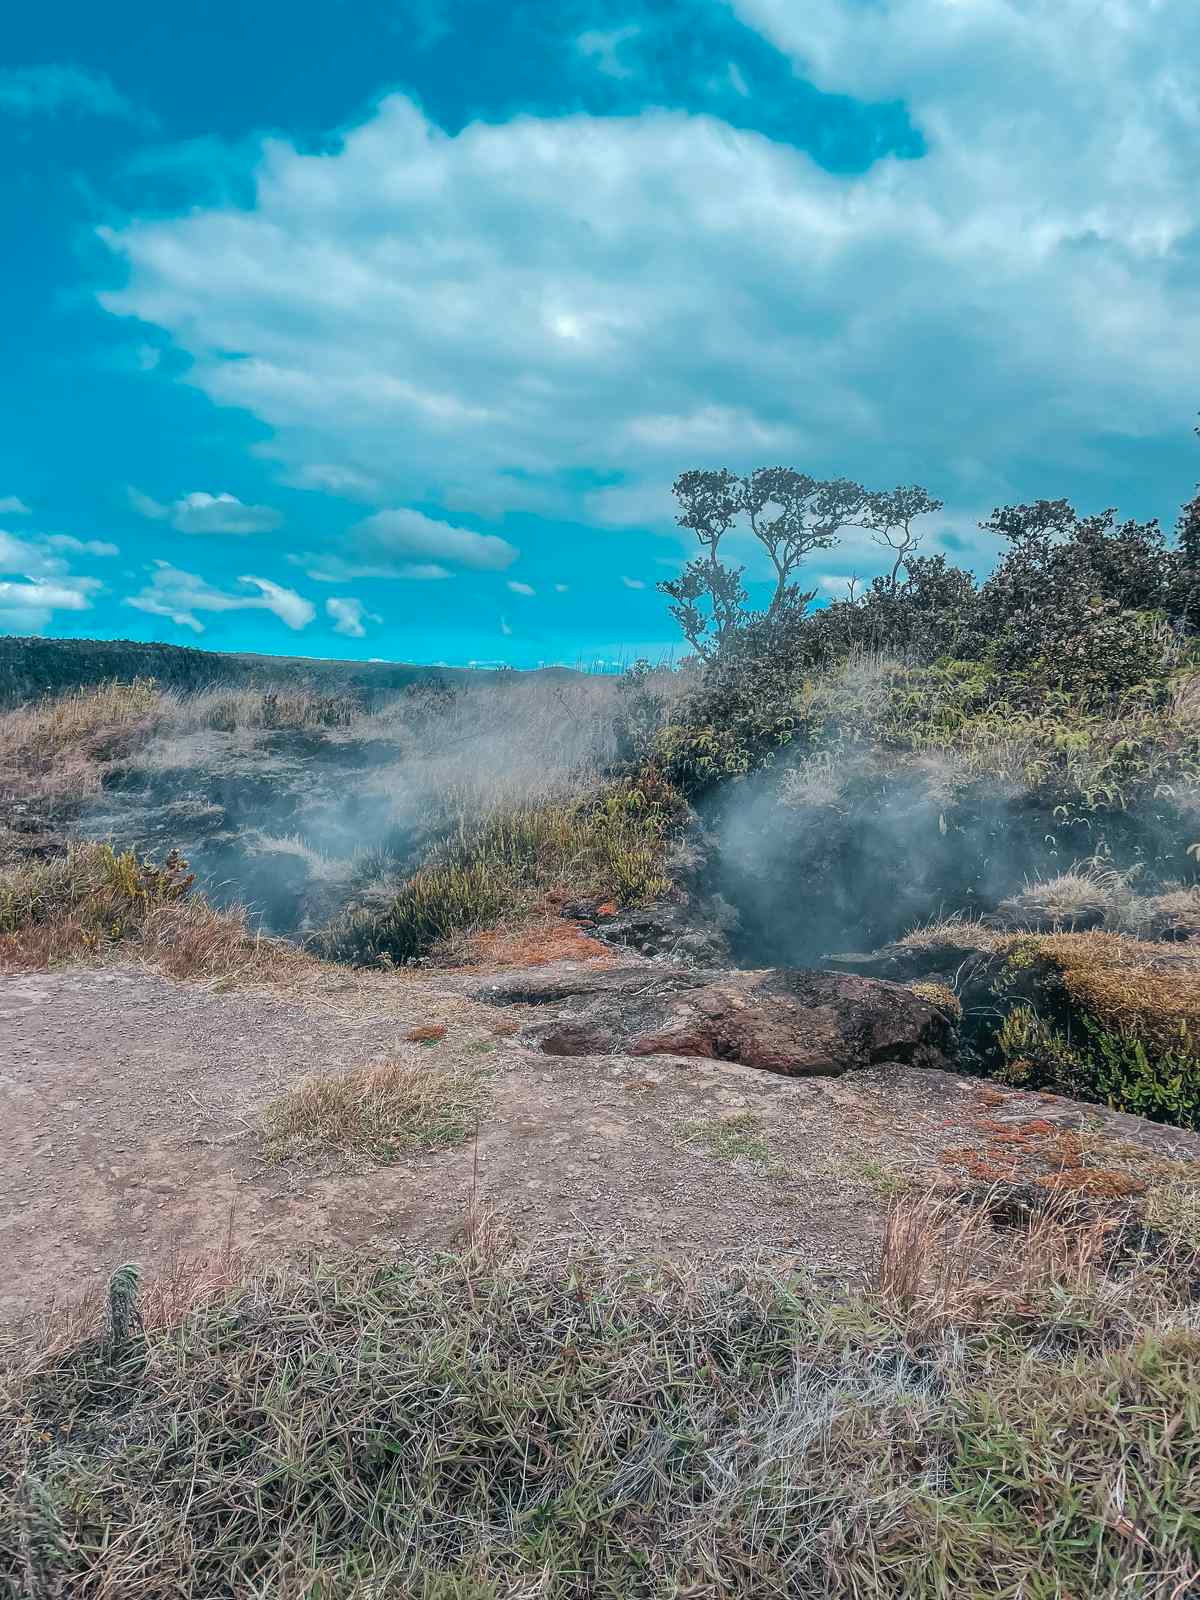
pixel 131 1108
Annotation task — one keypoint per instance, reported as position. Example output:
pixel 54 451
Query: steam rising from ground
pixel 291 803
pixel 839 854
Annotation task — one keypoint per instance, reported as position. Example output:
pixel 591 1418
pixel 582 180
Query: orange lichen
pixel 1094 1181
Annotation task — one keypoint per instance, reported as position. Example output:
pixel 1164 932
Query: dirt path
pixel 130 1109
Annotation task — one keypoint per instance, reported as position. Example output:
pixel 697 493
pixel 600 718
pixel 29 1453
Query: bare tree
pixel 890 517
pixel 791 514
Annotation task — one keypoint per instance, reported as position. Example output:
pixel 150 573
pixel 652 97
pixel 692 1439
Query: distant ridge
pixel 32 667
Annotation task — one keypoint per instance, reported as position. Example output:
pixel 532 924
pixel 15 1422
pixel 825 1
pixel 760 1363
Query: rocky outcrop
pixel 792 1021
pixel 686 932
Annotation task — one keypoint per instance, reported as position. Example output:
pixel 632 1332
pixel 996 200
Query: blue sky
pixel 382 328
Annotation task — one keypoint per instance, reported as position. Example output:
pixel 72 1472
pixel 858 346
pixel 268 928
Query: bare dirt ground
pixel 131 1105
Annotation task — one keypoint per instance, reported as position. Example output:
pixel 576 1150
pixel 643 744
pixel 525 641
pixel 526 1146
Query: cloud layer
pixel 530 304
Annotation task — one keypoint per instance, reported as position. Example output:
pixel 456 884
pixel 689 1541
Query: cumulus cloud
pixel 411 533
pixel 36 581
pixel 635 295
pixel 41 556
pixel 178 596
pixel 28 557
pixel 349 616
pixel 11 506
pixel 199 512
pixel 30 607
pixel 85 547
pixel 55 87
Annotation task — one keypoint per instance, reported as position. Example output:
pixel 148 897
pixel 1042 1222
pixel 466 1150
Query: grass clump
pixel 91 894
pixel 94 900
pixel 381 1111
pixel 733 1138
pixel 992 1418
pixel 499 870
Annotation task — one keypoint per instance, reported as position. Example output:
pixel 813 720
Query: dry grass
pixel 1084 897
pixel 93 901
pixel 535 942
pixel 956 933
pixel 995 1417
pixel 380 1111
pixel 942 1263
pixel 1129 984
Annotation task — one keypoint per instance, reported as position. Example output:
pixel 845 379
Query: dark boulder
pixel 793 1021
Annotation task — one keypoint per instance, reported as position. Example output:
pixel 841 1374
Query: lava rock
pixel 793 1021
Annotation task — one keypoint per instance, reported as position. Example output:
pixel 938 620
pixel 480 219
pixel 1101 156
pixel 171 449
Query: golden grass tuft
pixel 942 1263
pixel 940 995
pixel 93 900
pixel 381 1111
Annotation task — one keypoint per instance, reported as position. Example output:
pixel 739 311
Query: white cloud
pixel 28 557
pixel 633 583
pixel 561 588
pixel 521 588
pixel 324 568
pixel 55 87
pixel 505 628
pixel 642 294
pixel 602 46
pixel 180 595
pixel 30 607
pixel 12 507
pixel 45 557
pixel 199 512
pixel 411 533
pixel 349 615
pixel 86 547
pixel 337 480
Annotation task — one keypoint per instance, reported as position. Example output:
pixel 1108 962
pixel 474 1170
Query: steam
pixel 296 819
pixel 830 856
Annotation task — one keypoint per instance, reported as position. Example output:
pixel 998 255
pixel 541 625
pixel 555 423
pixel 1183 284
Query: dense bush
pixel 1081 615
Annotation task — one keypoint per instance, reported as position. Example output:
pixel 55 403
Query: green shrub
pixel 1115 1067
pixel 1163 1085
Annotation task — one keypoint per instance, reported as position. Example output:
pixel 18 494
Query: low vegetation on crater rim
pixel 1020 756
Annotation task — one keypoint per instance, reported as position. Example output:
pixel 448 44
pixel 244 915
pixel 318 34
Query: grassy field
pixel 1000 1413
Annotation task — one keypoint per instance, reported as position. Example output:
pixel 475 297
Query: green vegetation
pixel 612 846
pixel 732 1138
pixel 101 895
pixel 995 1424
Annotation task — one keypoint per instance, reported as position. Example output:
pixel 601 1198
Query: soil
pixel 131 1133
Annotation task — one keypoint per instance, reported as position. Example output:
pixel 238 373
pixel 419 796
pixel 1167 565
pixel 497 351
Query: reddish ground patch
pixel 536 944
